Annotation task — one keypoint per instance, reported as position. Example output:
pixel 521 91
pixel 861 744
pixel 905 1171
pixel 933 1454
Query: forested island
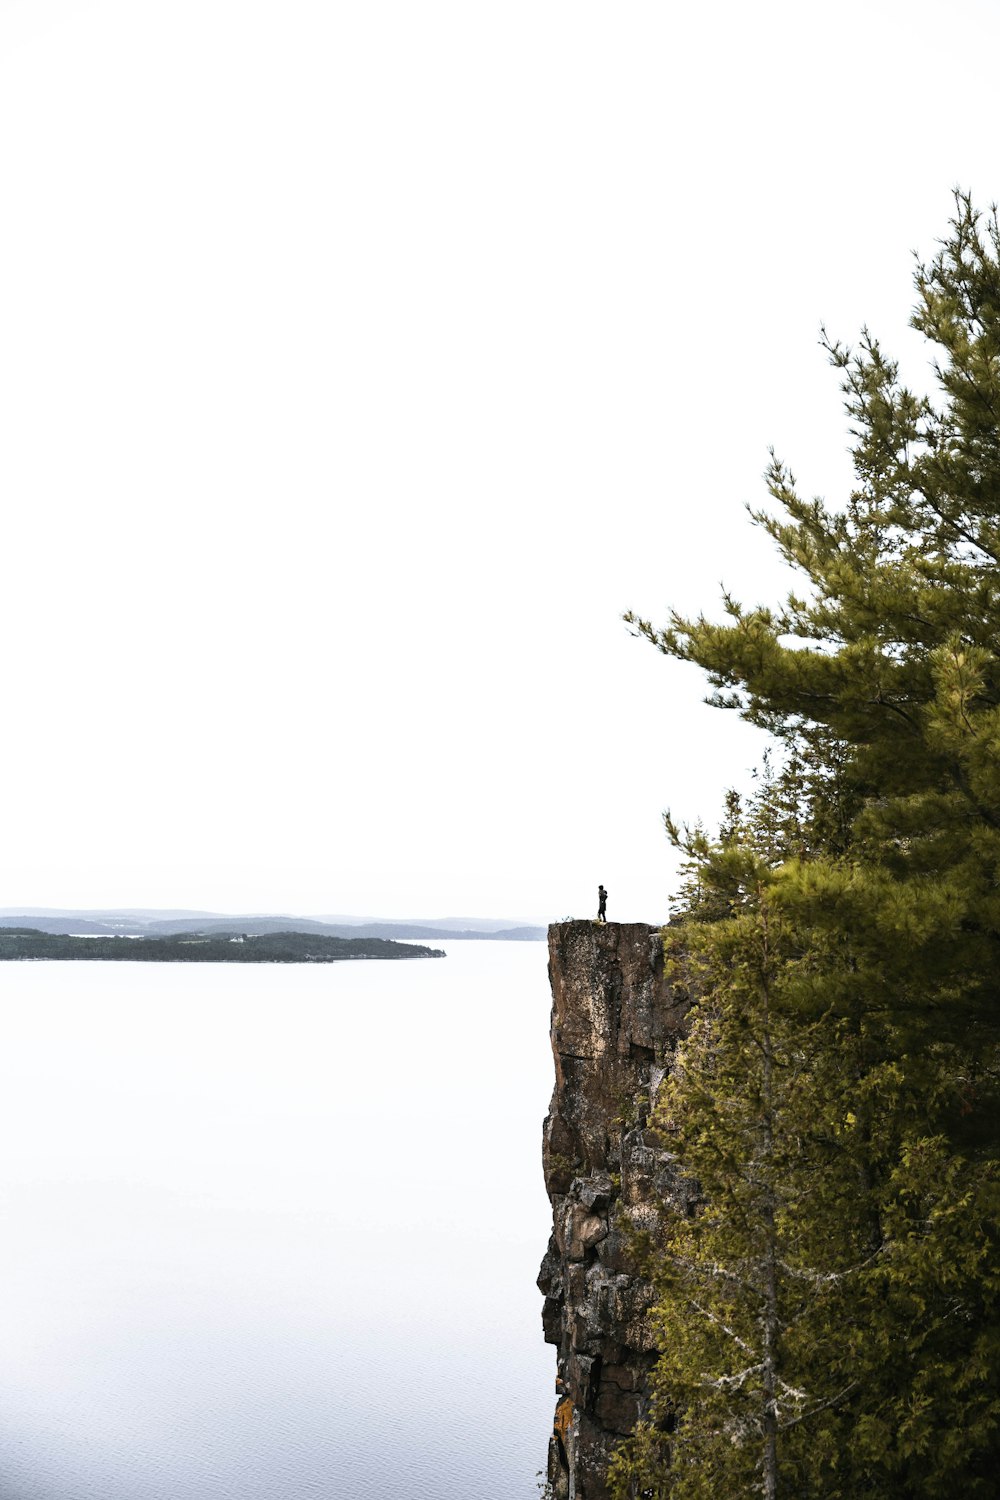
pixel 27 943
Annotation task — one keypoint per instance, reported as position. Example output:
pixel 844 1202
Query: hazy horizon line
pixel 184 911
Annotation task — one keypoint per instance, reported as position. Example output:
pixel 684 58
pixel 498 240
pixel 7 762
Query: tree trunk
pixel 770 1313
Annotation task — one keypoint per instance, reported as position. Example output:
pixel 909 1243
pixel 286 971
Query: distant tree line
pixel 272 947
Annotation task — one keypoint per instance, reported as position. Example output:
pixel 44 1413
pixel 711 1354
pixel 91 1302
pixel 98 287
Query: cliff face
pixel 615 1022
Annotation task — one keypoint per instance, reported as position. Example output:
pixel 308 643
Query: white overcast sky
pixel 361 363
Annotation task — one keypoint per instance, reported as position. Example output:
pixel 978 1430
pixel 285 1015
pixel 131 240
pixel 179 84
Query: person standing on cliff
pixel 602 904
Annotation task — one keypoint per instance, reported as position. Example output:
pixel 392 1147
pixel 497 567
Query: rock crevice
pixel 615 1023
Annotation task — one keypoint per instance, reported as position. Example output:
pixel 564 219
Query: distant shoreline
pixel 31 945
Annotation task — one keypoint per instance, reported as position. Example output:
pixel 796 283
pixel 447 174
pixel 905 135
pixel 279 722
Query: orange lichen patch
pixel 564 1416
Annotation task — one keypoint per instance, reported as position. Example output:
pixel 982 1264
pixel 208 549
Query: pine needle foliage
pixel 829 1314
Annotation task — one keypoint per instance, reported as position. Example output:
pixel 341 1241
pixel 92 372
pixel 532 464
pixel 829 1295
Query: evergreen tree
pixel 747 1392
pixel 767 1301
pixel 830 1312
pixel 889 660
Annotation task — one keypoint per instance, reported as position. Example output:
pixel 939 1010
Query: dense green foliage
pixel 268 948
pixel 830 1313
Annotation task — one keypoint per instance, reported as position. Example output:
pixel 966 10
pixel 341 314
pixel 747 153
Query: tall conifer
pixel 837 1100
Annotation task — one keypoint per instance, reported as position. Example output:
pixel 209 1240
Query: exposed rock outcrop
pixel 615 1023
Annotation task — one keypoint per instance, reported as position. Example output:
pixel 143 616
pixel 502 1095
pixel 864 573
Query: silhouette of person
pixel 602 904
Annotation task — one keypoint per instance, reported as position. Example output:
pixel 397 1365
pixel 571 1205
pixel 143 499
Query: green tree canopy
pixel 829 1313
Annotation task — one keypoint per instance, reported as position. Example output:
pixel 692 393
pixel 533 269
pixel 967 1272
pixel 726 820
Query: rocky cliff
pixel 615 1022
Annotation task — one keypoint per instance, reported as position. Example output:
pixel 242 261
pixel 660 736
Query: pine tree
pixel 837 1101
pixel 890 658
pixel 763 1290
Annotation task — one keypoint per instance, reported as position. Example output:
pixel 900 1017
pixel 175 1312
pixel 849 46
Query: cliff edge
pixel 615 1023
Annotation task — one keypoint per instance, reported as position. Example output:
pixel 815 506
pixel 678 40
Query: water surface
pixel 273 1231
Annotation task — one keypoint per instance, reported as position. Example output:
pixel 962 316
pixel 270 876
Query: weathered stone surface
pixel 615 1023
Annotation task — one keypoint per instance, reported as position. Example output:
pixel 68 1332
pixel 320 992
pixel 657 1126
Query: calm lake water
pixel 273 1231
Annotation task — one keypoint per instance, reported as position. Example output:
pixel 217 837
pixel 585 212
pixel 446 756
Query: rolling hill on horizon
pixel 151 922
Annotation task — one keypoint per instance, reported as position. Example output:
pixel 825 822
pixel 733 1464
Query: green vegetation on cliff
pixel 830 1315
pixel 269 948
